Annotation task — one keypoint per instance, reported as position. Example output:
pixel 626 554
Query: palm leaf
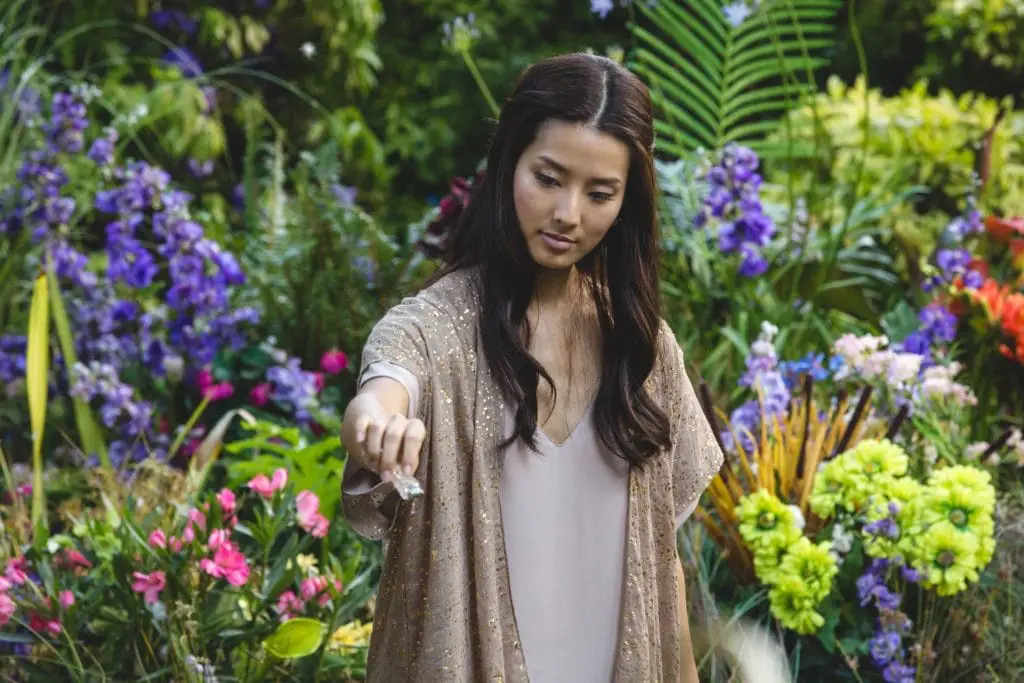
pixel 713 83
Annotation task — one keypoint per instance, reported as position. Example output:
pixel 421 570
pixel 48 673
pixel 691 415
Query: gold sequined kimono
pixel 444 611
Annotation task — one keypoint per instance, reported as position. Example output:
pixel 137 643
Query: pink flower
pixel 218 537
pixel 198 518
pixel 158 539
pixel 7 608
pixel 260 394
pixel 226 498
pixel 333 361
pixel 315 587
pixel 149 585
pixel 227 563
pixel 72 559
pixel 188 535
pixel 289 605
pixel 266 487
pixel 66 599
pixel 5 585
pixel 175 544
pixel 318 381
pixel 219 392
pixel 40 624
pixel 15 572
pixel 204 378
pixel 307 508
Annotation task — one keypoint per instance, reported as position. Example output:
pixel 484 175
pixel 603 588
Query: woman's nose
pixel 567 211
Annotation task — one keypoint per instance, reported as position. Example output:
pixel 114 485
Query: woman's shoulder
pixel 453 292
pixel 443 310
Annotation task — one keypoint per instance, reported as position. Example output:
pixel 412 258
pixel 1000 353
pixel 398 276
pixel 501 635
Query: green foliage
pixel 315 466
pixel 992 29
pixel 715 83
pixel 932 141
pixel 323 270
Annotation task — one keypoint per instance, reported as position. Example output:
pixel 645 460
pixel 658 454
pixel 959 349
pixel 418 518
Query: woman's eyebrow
pixel 562 169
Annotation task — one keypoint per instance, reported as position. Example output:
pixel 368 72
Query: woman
pixel 537 396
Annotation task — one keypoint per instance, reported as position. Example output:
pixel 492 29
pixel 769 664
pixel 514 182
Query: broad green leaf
pixel 88 429
pixel 37 371
pixel 295 638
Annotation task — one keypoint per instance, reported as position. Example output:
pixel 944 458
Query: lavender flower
pixel 885 647
pixel 12 357
pixel 295 388
pixel 67 123
pixel 732 211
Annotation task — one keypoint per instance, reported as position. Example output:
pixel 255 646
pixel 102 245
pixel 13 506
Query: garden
pixel 205 208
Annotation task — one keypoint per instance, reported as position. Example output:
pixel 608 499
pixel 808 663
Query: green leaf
pixel 88 429
pixel 713 83
pixel 295 638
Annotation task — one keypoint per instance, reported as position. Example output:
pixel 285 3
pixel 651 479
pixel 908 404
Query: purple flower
pixel 346 195
pixel 12 357
pixel 185 61
pixel 885 647
pixel 939 322
pixel 171 19
pixel 910 574
pixel 753 264
pixel 131 263
pixel 601 7
pixel 200 169
pixel 897 672
pixel 67 123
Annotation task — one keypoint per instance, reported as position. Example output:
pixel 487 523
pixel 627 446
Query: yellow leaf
pixel 37 370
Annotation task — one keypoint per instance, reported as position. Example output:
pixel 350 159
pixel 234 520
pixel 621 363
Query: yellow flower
pixel 307 563
pixel 354 634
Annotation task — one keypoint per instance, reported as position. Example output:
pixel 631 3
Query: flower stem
pixel 484 90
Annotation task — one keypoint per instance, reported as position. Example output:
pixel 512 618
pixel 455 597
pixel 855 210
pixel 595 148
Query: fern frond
pixel 713 83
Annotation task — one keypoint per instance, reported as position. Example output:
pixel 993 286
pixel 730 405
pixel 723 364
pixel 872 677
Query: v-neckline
pixel 575 428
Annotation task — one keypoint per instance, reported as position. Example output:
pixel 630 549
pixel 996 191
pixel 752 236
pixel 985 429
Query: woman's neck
pixel 555 289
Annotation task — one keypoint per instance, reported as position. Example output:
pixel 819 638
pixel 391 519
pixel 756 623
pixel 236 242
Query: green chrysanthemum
pixel 795 605
pixel 813 563
pixel 867 472
pixel 768 526
pixel 947 559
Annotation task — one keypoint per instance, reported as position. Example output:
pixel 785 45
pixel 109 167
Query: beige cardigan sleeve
pixel 696 456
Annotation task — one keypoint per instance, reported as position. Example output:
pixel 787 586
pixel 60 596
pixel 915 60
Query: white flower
pixel 974 451
pixel 308 50
pixel 842 539
pixel 798 517
pixel 993 460
pixel 931 454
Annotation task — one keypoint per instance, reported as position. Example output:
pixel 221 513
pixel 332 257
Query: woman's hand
pixel 389 443
pixel 377 432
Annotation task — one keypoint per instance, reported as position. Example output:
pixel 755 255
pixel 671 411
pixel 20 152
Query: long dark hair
pixel 621 272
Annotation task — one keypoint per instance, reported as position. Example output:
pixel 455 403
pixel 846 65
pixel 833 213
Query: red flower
pixel 1003 229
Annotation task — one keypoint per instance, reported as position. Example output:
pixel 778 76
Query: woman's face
pixel 568 189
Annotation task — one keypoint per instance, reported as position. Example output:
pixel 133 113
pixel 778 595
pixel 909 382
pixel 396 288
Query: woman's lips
pixel 557 242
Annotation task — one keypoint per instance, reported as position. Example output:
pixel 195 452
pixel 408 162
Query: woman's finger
pixel 373 444
pixel 412 444
pixel 392 444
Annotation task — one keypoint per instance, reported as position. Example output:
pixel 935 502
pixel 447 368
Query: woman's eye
pixel 546 180
pixel 600 196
